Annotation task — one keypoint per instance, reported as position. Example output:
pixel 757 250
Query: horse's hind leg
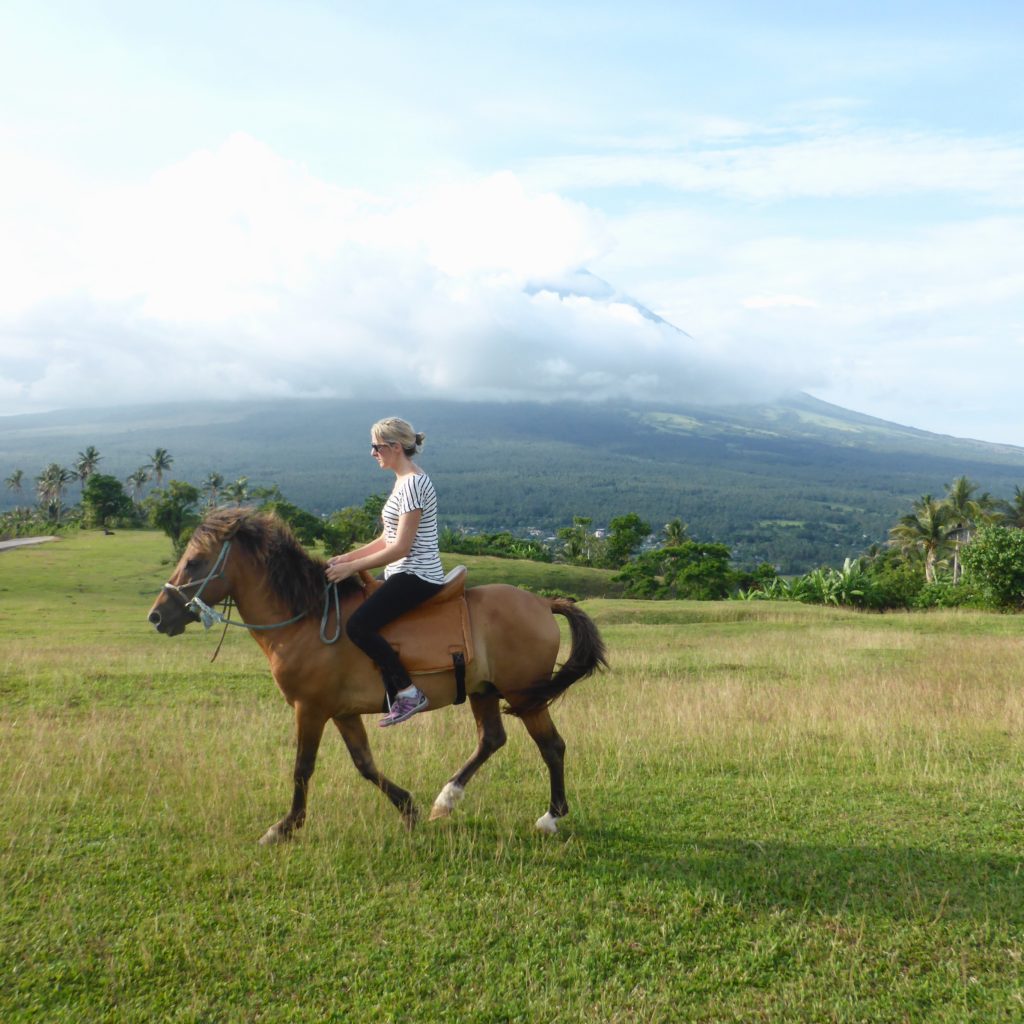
pixel 552 749
pixel 309 729
pixel 354 734
pixel 490 737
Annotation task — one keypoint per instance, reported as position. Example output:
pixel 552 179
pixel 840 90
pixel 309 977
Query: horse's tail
pixel 586 655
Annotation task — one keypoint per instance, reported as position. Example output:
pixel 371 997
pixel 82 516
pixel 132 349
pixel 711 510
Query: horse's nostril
pixel 154 617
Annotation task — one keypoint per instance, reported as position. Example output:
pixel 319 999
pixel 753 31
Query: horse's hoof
pixel 274 835
pixel 446 801
pixel 548 824
pixel 410 818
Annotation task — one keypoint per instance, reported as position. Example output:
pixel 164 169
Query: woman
pixel 408 550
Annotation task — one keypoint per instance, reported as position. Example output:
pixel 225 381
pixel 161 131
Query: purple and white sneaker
pixel 407 703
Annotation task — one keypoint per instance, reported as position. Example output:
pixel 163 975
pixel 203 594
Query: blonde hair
pixel 395 431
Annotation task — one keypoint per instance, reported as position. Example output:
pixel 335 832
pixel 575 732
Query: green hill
pixel 797 482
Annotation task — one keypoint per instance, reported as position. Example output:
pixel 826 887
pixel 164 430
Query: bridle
pixel 208 616
pixel 195 604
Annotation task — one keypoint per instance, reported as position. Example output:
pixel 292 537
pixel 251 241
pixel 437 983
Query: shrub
pixel 690 570
pixel 175 510
pixel 944 593
pixel 895 582
pixel 353 525
pixel 499 545
pixel 306 526
pixel 994 563
pixel 104 502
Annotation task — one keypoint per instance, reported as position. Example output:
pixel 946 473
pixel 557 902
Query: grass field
pixel 779 813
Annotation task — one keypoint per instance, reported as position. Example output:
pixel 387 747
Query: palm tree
pixel 1013 510
pixel 213 485
pixel 138 480
pixel 14 481
pixel 675 533
pixel 576 547
pixel 924 531
pixel 238 491
pixel 50 486
pixel 86 463
pixel 159 463
pixel 966 512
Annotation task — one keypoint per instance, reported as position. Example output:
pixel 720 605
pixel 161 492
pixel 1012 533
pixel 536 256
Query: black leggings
pixel 397 595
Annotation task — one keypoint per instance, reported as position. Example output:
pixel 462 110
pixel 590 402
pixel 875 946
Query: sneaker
pixel 405 706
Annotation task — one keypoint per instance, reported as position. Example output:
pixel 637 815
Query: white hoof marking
pixel 548 823
pixel 446 800
pixel 271 837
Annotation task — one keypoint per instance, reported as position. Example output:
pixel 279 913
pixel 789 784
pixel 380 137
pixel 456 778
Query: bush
pixel 499 545
pixel 307 528
pixel 944 593
pixel 175 510
pixel 625 535
pixel 354 525
pixel 895 582
pixel 690 570
pixel 105 503
pixel 994 563
pixel 33 522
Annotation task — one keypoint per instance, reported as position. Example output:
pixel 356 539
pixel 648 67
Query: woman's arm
pixel 408 524
pixel 366 549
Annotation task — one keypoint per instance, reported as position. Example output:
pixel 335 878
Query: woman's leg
pixel 397 595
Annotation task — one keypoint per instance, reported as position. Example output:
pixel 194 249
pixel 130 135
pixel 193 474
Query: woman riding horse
pixel 408 550
pixel 278 589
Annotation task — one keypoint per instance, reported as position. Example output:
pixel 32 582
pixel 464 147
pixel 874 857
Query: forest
pixel 798 484
pixel 965 548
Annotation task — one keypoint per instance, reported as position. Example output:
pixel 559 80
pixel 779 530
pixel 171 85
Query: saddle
pixel 436 636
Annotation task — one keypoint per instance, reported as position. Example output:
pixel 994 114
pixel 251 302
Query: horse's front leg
pixel 354 734
pixel 309 729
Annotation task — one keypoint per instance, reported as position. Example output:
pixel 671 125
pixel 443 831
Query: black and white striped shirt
pixel 412 492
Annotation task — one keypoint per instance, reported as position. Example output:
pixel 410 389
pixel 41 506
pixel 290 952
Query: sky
pixel 489 200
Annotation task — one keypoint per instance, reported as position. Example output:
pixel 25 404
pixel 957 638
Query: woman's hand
pixel 338 570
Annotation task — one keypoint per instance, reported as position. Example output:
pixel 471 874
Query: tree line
pixel 965 549
pixel 962 549
pixel 103 499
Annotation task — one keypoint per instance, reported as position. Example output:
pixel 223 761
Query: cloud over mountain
pixel 238 273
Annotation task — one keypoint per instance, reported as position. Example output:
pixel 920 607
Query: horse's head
pixel 199 582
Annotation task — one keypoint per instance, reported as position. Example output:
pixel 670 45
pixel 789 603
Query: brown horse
pixel 255 560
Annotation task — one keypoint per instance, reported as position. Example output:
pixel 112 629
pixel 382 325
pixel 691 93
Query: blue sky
pixel 335 198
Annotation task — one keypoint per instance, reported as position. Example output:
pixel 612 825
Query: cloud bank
pixel 236 273
pixel 811 161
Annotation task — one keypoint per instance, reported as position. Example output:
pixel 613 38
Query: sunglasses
pixel 375 448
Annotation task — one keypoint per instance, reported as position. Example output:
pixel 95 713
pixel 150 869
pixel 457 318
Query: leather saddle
pixel 435 636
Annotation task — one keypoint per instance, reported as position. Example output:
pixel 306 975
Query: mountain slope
pixel 797 482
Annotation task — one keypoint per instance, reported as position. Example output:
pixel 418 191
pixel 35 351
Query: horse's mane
pixel 293 575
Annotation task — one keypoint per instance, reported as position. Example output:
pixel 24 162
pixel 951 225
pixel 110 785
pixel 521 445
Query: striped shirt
pixel 412 492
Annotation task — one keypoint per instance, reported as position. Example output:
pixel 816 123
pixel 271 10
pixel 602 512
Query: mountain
pixel 797 482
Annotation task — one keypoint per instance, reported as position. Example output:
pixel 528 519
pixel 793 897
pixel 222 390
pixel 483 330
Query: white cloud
pixel 777 302
pixel 820 163
pixel 924 325
pixel 237 273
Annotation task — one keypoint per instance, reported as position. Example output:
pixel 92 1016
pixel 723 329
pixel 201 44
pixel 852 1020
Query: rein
pixel 208 616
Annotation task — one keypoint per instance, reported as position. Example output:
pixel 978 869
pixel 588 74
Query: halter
pixel 208 616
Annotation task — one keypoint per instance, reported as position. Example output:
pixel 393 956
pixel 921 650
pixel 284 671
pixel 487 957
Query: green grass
pixel 574 580
pixel 779 813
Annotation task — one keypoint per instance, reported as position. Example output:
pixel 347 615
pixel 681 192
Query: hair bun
pixel 420 438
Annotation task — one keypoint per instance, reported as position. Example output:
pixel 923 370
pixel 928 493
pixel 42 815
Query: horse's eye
pixel 191 564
